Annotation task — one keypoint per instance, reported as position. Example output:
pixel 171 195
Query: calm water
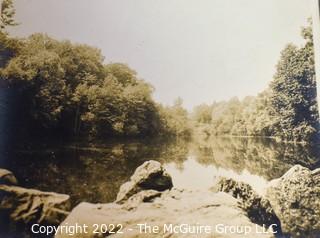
pixel 93 172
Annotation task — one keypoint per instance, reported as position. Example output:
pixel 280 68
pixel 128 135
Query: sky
pixel 199 50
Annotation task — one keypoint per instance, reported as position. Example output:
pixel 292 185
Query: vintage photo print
pixel 159 118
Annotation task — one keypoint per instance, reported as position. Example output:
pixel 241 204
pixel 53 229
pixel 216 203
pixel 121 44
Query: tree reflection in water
pixel 93 172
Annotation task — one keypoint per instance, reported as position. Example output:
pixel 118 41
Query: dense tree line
pixel 287 109
pixel 249 117
pixel 66 88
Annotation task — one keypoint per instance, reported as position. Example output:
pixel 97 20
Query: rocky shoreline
pixel 22 206
pixel 150 206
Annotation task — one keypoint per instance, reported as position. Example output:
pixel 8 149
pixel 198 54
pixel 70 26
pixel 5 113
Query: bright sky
pixel 200 50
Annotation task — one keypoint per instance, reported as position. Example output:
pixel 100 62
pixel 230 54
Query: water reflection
pixel 87 171
pixel 201 177
pixel 259 156
pixel 93 172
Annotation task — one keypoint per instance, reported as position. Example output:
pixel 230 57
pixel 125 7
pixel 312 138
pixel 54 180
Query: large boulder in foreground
pixel 156 209
pixel 295 198
pixel 150 175
pixel 26 206
pixel 7 177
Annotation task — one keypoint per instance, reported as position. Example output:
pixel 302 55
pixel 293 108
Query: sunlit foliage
pixel 66 88
pixel 287 109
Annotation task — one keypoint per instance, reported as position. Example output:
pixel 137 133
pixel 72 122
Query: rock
pixel 295 198
pixel 26 206
pixel 7 177
pixel 175 207
pixel 258 208
pixel 140 197
pixel 150 175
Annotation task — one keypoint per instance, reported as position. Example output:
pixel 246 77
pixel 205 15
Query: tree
pixel 122 73
pixel 45 73
pixel 7 14
pixel 66 88
pixel 8 45
pixel 202 113
pixel 175 120
pixel 8 48
pixel 287 109
pixel 294 92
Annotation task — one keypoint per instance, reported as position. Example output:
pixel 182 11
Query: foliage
pixel 8 48
pixel 7 13
pixel 66 88
pixel 294 92
pixel 175 120
pixel 287 109
pixel 202 113
pixel 249 117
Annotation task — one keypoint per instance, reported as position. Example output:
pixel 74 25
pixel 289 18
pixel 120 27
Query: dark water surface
pixel 93 172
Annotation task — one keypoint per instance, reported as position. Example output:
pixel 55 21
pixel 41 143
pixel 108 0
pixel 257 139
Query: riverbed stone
pixel 149 176
pixel 140 197
pixel 7 177
pixel 176 207
pixel 295 198
pixel 259 209
pixel 26 206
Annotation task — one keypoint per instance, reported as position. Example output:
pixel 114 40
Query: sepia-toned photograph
pixel 159 118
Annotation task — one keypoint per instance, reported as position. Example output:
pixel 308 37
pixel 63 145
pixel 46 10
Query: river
pixel 93 172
